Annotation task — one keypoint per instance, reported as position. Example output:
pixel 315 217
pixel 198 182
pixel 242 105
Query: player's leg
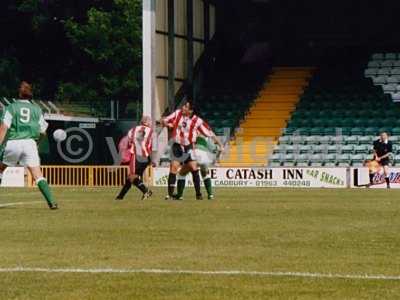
pixel 9 156
pixel 205 174
pixel 176 157
pixel 43 186
pixel 194 169
pixel 30 158
pixel 3 167
pixel 128 182
pixel 172 176
pixel 141 165
pixel 181 181
pixel 386 172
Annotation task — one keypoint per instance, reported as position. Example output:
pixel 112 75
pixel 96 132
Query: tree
pixel 108 49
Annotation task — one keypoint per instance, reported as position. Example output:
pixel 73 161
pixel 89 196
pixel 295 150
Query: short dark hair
pixel 25 90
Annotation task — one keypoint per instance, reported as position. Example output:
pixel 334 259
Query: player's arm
pixel 206 130
pixel 375 154
pixel 3 133
pixel 169 120
pixel 146 143
pixel 5 124
pixel 390 150
pixel 43 125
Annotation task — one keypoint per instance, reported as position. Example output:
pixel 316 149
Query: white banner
pixel 13 177
pixel 360 178
pixel 268 177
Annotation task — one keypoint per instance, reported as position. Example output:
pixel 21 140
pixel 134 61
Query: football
pixel 59 135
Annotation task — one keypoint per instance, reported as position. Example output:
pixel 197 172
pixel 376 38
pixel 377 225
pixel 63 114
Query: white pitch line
pixel 194 272
pixel 19 203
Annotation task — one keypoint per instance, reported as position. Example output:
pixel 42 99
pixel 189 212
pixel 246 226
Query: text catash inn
pixel 246 174
pixel 259 174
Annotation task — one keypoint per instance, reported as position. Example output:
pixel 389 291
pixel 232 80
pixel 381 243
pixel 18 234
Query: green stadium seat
pixel 285 139
pixel 343 158
pixel 277 157
pixel 302 158
pixel 351 140
pixel 361 149
pixel 396 131
pixel 357 159
pixel 347 149
pixel 319 149
pixel 305 149
pixel 311 140
pixel 325 140
pixel 317 131
pixel 330 164
pixel 357 131
pixel 274 164
pixel 366 140
pixel 371 131
pixel 334 149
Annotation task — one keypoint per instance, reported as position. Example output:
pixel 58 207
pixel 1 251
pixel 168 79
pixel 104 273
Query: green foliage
pixel 110 42
pixel 88 50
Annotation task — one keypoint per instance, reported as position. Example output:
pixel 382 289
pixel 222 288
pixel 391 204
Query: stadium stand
pixel 266 118
pixel 338 117
pixel 384 70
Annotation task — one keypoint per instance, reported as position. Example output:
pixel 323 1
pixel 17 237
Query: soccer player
pixel 185 126
pixel 205 156
pixel 22 126
pixel 382 151
pixel 137 149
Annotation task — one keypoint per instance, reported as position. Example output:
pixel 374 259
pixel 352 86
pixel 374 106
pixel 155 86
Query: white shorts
pixel 203 157
pixel 21 152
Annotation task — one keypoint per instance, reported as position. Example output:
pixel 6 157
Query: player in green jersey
pixel 21 127
pixel 206 156
pixel 206 153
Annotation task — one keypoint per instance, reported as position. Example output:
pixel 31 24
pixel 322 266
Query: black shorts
pixel 384 162
pixel 138 166
pixel 183 154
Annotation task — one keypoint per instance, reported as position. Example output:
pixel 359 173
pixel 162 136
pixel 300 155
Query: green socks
pixel 45 190
pixel 208 185
pixel 206 179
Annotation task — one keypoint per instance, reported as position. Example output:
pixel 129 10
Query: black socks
pixel 196 182
pixel 171 184
pixel 127 186
pixel 140 185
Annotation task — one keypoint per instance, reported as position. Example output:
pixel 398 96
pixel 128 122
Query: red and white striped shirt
pixel 141 138
pixel 186 129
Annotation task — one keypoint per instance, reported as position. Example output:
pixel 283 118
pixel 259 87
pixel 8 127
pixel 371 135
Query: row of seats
pixel 340 113
pixel 385 56
pixel 384 70
pixel 341 130
pixel 331 139
pixel 383 79
pixel 370 72
pixel 338 148
pixel 384 64
pixel 391 88
pixel 343 122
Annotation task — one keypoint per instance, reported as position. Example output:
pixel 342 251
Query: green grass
pixel 318 231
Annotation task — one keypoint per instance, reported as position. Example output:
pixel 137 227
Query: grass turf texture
pixel 318 231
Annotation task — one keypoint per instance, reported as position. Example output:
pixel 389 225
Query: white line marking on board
pixel 194 272
pixel 18 203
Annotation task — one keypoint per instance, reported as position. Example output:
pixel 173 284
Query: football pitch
pixel 246 244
